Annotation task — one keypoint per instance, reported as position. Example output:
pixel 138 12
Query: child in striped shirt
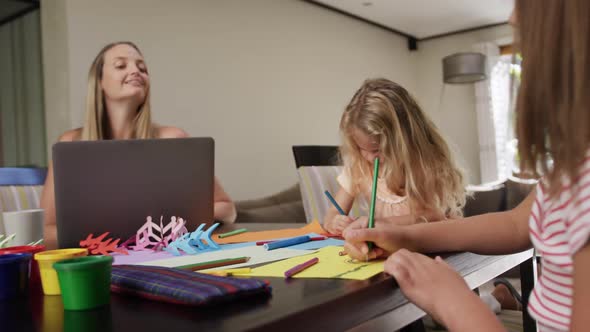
pixel 553 130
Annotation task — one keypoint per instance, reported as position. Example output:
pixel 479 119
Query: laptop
pixel 113 185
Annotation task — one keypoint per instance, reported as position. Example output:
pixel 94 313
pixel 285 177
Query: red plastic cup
pixel 35 277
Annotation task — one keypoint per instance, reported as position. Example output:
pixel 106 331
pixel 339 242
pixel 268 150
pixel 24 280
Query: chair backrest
pixel 517 190
pixel 22 176
pixel 485 198
pixel 20 189
pixel 314 181
pixel 316 155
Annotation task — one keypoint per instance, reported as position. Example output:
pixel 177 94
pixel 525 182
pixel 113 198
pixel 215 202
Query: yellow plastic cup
pixel 46 259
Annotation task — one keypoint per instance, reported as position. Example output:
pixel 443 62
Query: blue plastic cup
pixel 14 275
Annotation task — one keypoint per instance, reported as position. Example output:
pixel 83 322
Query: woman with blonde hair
pixel 418 180
pixel 118 107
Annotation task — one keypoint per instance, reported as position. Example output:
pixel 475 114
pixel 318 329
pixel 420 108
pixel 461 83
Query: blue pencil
pixel 287 242
pixel 334 203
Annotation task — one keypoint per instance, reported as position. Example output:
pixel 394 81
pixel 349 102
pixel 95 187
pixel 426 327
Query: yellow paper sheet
pixel 313 227
pixel 330 265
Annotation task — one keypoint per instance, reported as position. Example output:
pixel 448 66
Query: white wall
pixel 56 67
pixel 455 113
pixel 259 76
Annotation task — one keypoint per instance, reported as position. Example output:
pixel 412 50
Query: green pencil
pixel 236 232
pixel 373 198
pixel 212 264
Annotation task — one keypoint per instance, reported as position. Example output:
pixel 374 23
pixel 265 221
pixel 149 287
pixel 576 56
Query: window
pixel 504 82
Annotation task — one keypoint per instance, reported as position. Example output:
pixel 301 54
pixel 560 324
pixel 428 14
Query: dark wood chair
pixel 316 155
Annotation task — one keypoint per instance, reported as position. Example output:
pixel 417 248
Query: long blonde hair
pixel 416 159
pixel 553 106
pixel 96 124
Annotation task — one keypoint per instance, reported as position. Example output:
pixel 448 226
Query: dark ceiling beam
pixel 412 40
pixel 456 32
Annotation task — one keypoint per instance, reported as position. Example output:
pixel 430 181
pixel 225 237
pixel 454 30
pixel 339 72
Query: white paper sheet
pixel 257 254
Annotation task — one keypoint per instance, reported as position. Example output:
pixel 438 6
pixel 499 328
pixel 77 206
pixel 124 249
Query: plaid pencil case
pixel 182 287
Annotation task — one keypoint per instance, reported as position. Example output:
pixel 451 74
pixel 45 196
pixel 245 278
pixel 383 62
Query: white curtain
pixel 500 83
pixel 490 163
pixel 22 122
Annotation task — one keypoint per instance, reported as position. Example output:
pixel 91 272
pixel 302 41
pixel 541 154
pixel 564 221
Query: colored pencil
pixel 298 268
pixel 242 270
pixel 287 242
pixel 315 238
pixel 229 272
pixel 232 233
pixel 212 264
pixel 373 198
pixel 333 201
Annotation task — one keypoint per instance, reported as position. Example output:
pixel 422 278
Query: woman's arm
pixel 224 208
pixel 48 198
pixel 48 205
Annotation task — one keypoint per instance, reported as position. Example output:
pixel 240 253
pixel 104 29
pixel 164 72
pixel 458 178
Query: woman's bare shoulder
pixel 170 132
pixel 71 135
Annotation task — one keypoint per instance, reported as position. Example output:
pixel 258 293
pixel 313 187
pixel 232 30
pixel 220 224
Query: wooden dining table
pixel 375 304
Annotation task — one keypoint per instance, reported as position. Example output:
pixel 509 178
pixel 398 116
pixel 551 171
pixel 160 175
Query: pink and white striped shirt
pixel 559 227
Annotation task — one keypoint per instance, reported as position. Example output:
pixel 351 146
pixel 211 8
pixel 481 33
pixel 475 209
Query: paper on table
pixel 257 255
pixel 313 227
pixel 331 265
pixel 140 256
pixel 137 257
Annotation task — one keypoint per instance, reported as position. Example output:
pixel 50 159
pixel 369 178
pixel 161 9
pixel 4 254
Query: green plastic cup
pixel 85 281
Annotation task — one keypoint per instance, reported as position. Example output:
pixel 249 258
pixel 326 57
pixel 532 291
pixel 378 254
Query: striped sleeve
pixel 578 225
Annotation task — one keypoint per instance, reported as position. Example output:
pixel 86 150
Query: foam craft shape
pixel 195 242
pixel 154 237
pixel 100 246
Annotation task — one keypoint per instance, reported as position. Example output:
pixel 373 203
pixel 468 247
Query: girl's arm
pixel 581 301
pixel 421 216
pixel 492 233
pixel 435 287
pixel 334 222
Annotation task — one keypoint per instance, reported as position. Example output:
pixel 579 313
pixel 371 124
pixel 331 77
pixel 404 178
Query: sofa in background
pixel 287 206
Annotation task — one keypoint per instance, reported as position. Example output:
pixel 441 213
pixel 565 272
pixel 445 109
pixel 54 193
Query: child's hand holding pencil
pixel 337 225
pixel 387 239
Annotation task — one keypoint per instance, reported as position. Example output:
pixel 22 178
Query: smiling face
pixel 124 74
